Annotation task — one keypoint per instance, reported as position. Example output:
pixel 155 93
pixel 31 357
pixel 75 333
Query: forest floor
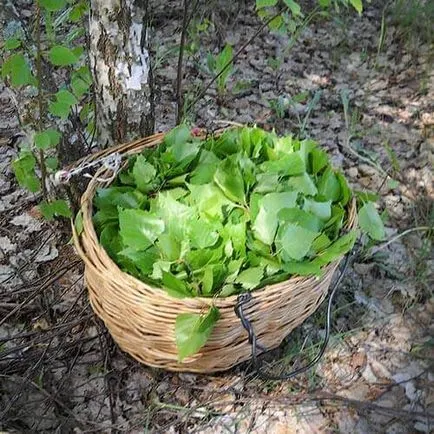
pixel 373 111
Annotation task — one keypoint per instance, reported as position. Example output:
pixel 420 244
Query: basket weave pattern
pixel 141 318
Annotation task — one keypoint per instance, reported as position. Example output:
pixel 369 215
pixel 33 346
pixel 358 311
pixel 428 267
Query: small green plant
pixel 221 65
pixel 291 18
pixel 281 106
pixel 196 30
pixel 226 215
pixel 31 67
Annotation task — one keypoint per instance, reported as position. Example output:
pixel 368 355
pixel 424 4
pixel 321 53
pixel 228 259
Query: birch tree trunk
pixel 121 70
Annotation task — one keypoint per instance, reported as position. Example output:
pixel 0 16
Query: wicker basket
pixel 141 318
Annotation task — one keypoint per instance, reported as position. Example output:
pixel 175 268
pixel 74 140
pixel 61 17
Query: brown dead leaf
pixel 36 213
pixel 41 324
pixel 358 360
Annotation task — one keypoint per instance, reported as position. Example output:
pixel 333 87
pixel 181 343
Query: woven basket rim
pixel 135 147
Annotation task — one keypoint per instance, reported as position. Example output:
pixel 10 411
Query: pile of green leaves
pixel 225 215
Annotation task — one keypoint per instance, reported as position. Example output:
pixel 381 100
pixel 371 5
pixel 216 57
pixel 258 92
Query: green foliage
pixel 371 222
pixel 221 65
pixel 55 208
pixel 267 197
pixel 24 169
pixel 21 69
pixel 193 330
pixel 60 55
pixel 17 68
pixel 224 215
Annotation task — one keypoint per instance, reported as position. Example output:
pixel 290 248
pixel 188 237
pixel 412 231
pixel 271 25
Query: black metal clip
pixel 241 301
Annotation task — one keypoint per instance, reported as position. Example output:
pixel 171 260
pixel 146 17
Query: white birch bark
pixel 121 70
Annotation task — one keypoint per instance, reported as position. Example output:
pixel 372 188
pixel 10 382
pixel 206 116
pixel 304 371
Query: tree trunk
pixel 121 70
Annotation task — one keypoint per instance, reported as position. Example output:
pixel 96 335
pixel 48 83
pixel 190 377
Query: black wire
pixel 244 298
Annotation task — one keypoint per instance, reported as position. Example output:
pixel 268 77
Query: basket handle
pixel 245 298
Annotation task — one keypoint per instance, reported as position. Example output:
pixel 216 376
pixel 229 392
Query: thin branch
pixel 398 236
pixel 179 96
pixel 42 165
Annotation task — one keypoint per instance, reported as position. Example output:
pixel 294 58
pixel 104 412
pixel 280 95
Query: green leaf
pixel 174 286
pixel 303 184
pixel 208 280
pixel 237 234
pixel 209 199
pixel 207 165
pixel 357 5
pixel 77 11
pixel 42 140
pixel 265 3
pixel 143 173
pixel 267 182
pixel 60 55
pixel 158 268
pixel 370 221
pixel 250 278
pixel 59 109
pixel 319 160
pixel 78 222
pixel 169 247
pixel 111 240
pixel 296 240
pixel 288 165
pixel 266 222
pixel 320 243
pixel 276 23
pixel 329 186
pixel 202 233
pixel 304 268
pixel 47 139
pixel 265 226
pixel 367 196
pixel 124 197
pixel 176 215
pixel 228 290
pixel 192 331
pixel 105 216
pixel 55 208
pixel 274 202
pixel 139 229
pixel 223 59
pixel 322 210
pixel 79 86
pixel 338 249
pixel 65 96
pixel 52 163
pixel 17 68
pixel 62 106
pixel 293 6
pixel 178 136
pixel 345 189
pixel 52 5
pixel 24 169
pixel 184 152
pixel 143 260
pixel 229 179
pixel 11 44
pixel 301 218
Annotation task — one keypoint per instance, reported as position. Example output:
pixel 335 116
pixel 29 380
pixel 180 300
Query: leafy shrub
pixel 32 65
